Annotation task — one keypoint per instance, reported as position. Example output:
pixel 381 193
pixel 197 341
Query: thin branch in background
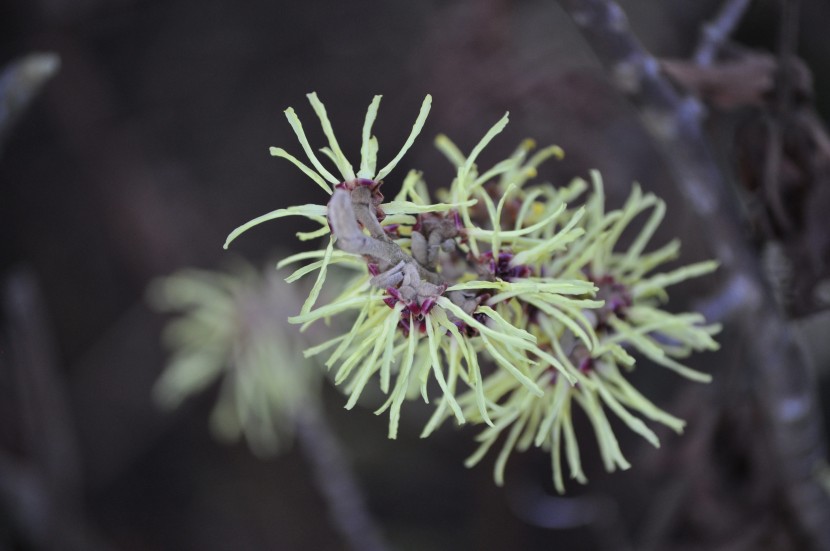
pixel 598 513
pixel 785 385
pixel 42 489
pixel 715 33
pixel 232 329
pixel 787 42
pixel 48 437
pixel 336 481
pixel 787 47
pixel 19 84
pixel 725 304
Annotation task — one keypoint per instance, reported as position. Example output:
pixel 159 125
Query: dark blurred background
pixel 150 145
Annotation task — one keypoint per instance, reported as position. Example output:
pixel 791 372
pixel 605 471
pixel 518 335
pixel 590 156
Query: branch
pixel 336 481
pixel 46 415
pixel 785 383
pixel 42 489
pixel 346 208
pixel 343 217
pixel 715 33
pixel 787 42
pixel 19 84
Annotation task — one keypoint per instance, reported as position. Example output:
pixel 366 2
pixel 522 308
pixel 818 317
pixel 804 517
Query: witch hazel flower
pixel 416 310
pixel 629 321
pixel 367 177
pixel 500 304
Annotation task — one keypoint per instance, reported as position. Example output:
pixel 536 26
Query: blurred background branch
pixel 20 83
pixel 41 490
pixel 716 32
pixel 785 381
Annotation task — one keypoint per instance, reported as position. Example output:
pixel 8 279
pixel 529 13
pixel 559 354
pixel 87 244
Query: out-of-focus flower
pixel 231 327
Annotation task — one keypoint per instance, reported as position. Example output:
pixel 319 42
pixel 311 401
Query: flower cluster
pixel 231 327
pixel 499 301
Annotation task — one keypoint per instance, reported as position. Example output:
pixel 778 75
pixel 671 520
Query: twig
pixel 787 42
pixel 336 481
pixel 715 33
pixel 785 381
pixel 46 416
pixel 19 84
pixel 729 300
pixel 345 210
pixel 787 47
pixel 43 489
pixel 598 513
